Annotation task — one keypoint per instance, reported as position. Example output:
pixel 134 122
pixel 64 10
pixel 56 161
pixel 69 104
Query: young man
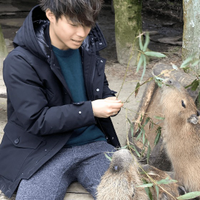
pixel 59 103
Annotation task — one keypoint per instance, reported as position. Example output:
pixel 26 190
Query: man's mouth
pixel 77 41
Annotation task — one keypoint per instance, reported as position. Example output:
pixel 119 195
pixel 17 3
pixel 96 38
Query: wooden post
pixel 3 50
pixel 191 29
pixel 128 25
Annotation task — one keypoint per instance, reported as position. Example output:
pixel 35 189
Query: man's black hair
pixel 83 12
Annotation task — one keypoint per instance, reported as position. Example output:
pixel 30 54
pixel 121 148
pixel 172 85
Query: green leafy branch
pixel 189 195
pixel 146 149
pixel 149 182
pixel 144 53
pixel 142 57
pixel 157 185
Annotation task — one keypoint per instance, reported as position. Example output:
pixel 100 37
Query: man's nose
pixel 82 31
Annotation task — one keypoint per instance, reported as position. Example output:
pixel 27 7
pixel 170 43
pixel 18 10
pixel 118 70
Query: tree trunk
pixel 128 25
pixel 191 30
pixel 3 50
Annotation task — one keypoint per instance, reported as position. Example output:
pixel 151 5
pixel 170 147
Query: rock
pixel 177 40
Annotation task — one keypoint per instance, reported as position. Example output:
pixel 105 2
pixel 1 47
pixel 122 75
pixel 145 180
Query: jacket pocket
pixel 20 138
pixel 15 148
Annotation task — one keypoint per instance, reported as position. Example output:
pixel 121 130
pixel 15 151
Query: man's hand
pixel 104 108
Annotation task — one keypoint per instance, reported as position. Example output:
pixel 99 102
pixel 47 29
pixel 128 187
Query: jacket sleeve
pixel 30 106
pixel 107 92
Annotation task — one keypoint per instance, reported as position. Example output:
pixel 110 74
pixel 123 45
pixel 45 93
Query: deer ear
pixel 181 190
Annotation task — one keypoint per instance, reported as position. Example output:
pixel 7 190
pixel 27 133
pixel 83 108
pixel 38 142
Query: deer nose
pixel 116 168
pixel 198 113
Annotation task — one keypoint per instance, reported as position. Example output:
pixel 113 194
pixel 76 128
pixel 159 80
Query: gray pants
pixel 85 164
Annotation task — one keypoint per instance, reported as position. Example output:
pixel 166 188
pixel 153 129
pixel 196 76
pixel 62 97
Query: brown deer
pixel 121 180
pixel 181 134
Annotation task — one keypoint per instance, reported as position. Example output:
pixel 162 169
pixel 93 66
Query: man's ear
pixel 51 17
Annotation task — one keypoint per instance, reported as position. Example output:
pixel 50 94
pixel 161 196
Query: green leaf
pixel 132 131
pixel 195 85
pixel 144 67
pixel 189 195
pixel 131 127
pixel 139 135
pixel 147 39
pixel 158 80
pixel 141 118
pixel 144 141
pixel 124 147
pixel 151 125
pixel 148 152
pixel 186 69
pixel 154 54
pixel 109 158
pixel 195 63
pixel 146 121
pixel 137 88
pixel 158 131
pixel 146 185
pixel 158 117
pixel 136 151
pixel 140 42
pixel 174 66
pixel 188 86
pixel 139 63
pixel 143 138
pixel 166 181
pixel 187 62
pixel 149 194
pixel 157 192
pixel 147 190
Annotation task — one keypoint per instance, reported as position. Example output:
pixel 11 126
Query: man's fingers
pixel 106 107
pixel 111 98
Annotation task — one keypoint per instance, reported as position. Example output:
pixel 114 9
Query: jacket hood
pixel 31 34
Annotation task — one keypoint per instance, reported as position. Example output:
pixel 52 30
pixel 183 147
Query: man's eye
pixel 74 25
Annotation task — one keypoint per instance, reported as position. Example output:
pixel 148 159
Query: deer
pixel 181 133
pixel 124 179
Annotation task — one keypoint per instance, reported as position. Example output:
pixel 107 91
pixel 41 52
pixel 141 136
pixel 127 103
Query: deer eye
pixel 183 104
pixel 169 81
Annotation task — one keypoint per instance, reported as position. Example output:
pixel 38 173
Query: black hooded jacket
pixel 41 113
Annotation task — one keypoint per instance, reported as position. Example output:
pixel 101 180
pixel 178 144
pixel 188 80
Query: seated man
pixel 59 103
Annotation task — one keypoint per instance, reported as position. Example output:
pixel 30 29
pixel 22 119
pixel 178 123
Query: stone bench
pixel 74 192
pixel 77 192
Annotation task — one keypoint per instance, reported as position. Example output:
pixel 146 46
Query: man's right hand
pixel 104 108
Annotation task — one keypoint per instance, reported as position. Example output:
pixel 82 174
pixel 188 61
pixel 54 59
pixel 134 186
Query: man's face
pixel 65 34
